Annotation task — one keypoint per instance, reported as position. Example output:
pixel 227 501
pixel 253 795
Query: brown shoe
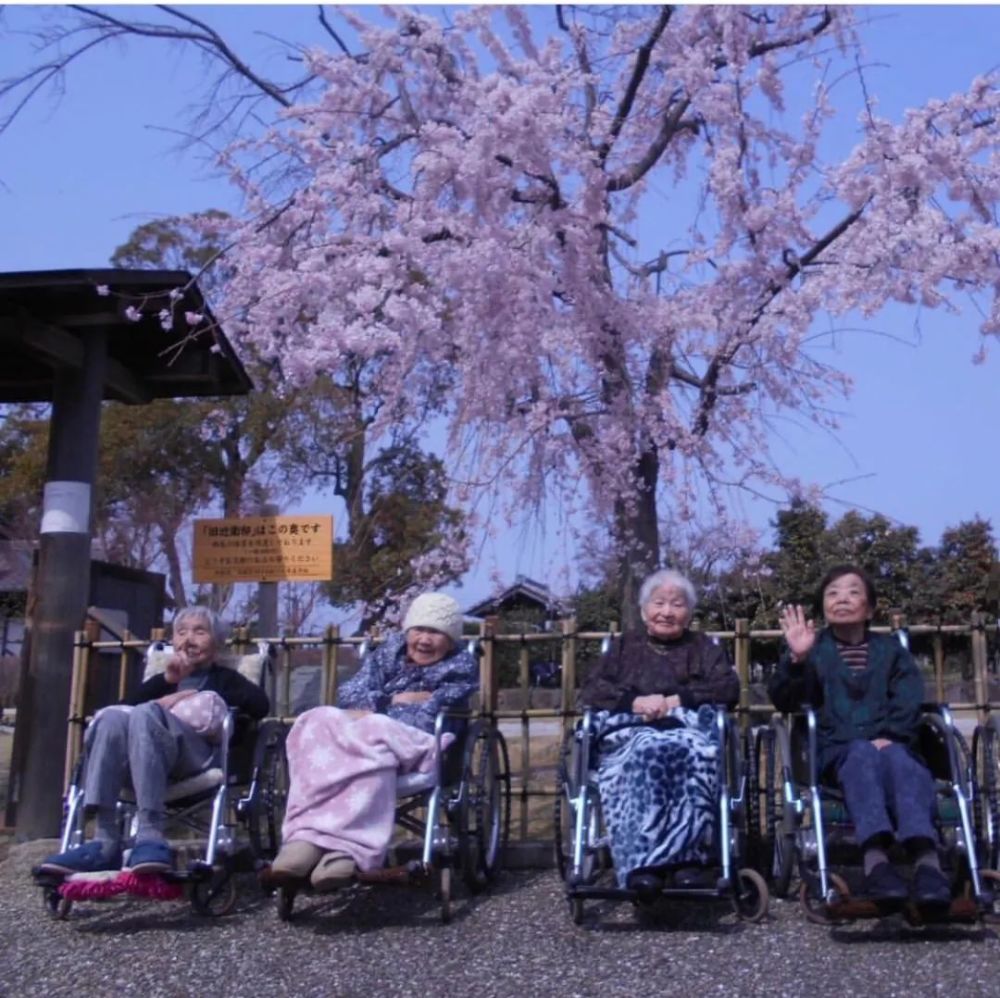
pixel 294 862
pixel 334 870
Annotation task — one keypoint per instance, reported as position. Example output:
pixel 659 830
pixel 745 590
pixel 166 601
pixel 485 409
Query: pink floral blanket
pixel 343 773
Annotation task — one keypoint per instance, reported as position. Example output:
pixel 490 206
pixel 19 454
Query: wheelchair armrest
pixel 938 718
pixel 813 744
pixel 440 720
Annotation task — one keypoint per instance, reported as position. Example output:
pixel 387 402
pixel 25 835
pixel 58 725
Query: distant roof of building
pixel 523 588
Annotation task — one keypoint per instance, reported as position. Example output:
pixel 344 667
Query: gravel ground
pixel 517 940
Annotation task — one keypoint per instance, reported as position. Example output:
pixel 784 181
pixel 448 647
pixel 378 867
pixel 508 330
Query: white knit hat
pixel 437 611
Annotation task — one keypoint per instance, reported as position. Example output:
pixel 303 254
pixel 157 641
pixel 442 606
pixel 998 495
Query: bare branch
pixel 638 73
pixel 671 125
pixel 328 27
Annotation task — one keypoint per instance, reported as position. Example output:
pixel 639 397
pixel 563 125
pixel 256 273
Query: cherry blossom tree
pixel 466 203
pixel 597 251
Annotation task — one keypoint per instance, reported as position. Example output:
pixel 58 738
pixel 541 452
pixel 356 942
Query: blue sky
pixel 78 173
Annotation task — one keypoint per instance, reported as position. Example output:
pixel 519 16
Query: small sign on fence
pixel 264 549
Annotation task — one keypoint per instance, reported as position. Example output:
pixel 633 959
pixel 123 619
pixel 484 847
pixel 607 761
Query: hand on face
pixel 194 648
pixel 666 613
pixel 800 633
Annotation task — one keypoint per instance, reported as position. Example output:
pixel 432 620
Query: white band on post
pixel 66 508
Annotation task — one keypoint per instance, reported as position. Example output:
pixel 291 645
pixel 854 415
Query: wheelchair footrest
pixel 849 908
pixel 412 872
pixel 107 884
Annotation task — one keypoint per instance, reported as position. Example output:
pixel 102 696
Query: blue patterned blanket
pixel 659 789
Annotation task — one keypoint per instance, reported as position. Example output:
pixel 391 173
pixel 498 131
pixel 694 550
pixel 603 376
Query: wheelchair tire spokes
pixel 776 846
pixel 266 807
pixel 484 811
pixel 986 758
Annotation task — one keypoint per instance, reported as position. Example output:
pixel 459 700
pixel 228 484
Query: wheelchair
pixel 244 789
pixel 805 828
pixel 457 816
pixel 582 844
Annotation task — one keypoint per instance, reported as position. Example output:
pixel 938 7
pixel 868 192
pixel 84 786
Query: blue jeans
pixel 888 792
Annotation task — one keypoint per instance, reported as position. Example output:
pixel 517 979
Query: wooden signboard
pixel 264 549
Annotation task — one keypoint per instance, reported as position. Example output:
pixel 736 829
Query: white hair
pixel 666 577
pixel 215 623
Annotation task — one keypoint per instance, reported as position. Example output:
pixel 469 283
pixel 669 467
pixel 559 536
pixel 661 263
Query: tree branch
pixel 635 81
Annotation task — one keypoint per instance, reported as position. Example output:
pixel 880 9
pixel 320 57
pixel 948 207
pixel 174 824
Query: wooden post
pixel 938 643
pixel 524 669
pixel 979 667
pixel 568 672
pixel 123 665
pixel 285 658
pixel 58 604
pixel 75 719
pixel 331 644
pixel 489 681
pixel 741 652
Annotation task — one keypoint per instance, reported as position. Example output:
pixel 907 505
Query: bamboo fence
pixel 533 753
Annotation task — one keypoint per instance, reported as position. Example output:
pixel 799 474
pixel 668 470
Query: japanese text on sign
pixel 264 549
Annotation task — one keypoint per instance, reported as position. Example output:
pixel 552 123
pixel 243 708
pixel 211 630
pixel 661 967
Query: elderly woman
pixel 343 760
pixel 868 693
pixel 161 733
pixel 658 781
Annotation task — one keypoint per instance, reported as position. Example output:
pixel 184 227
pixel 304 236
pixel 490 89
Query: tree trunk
pixel 175 574
pixel 637 538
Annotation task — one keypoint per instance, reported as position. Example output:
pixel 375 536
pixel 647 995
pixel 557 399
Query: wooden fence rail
pixel 534 733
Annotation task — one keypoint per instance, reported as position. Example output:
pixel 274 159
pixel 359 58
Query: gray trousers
pixel 147 746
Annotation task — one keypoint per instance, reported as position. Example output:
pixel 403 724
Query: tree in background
pixel 280 439
pixel 403 519
pixel 888 552
pixel 961 571
pixel 801 552
pixel 168 462
pixel 455 204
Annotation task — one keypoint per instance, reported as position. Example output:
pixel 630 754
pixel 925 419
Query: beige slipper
pixel 294 862
pixel 334 870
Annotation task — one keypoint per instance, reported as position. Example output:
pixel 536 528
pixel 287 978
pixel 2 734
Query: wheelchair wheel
pixel 286 903
pixel 986 755
pixel 777 847
pixel 444 893
pixel 266 810
pixel 56 905
pixel 214 896
pixel 750 895
pixel 484 812
pixel 562 816
pixel 990 915
pixel 815 909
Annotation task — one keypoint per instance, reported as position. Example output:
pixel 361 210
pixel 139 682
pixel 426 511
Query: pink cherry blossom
pixel 598 256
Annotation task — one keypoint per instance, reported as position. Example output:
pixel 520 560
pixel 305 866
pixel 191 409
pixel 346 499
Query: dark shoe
pixel 646 884
pixel 930 887
pixel 90 857
pixel 151 857
pixel 884 884
pixel 689 878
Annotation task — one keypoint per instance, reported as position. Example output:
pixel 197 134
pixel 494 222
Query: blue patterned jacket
pixel 385 672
